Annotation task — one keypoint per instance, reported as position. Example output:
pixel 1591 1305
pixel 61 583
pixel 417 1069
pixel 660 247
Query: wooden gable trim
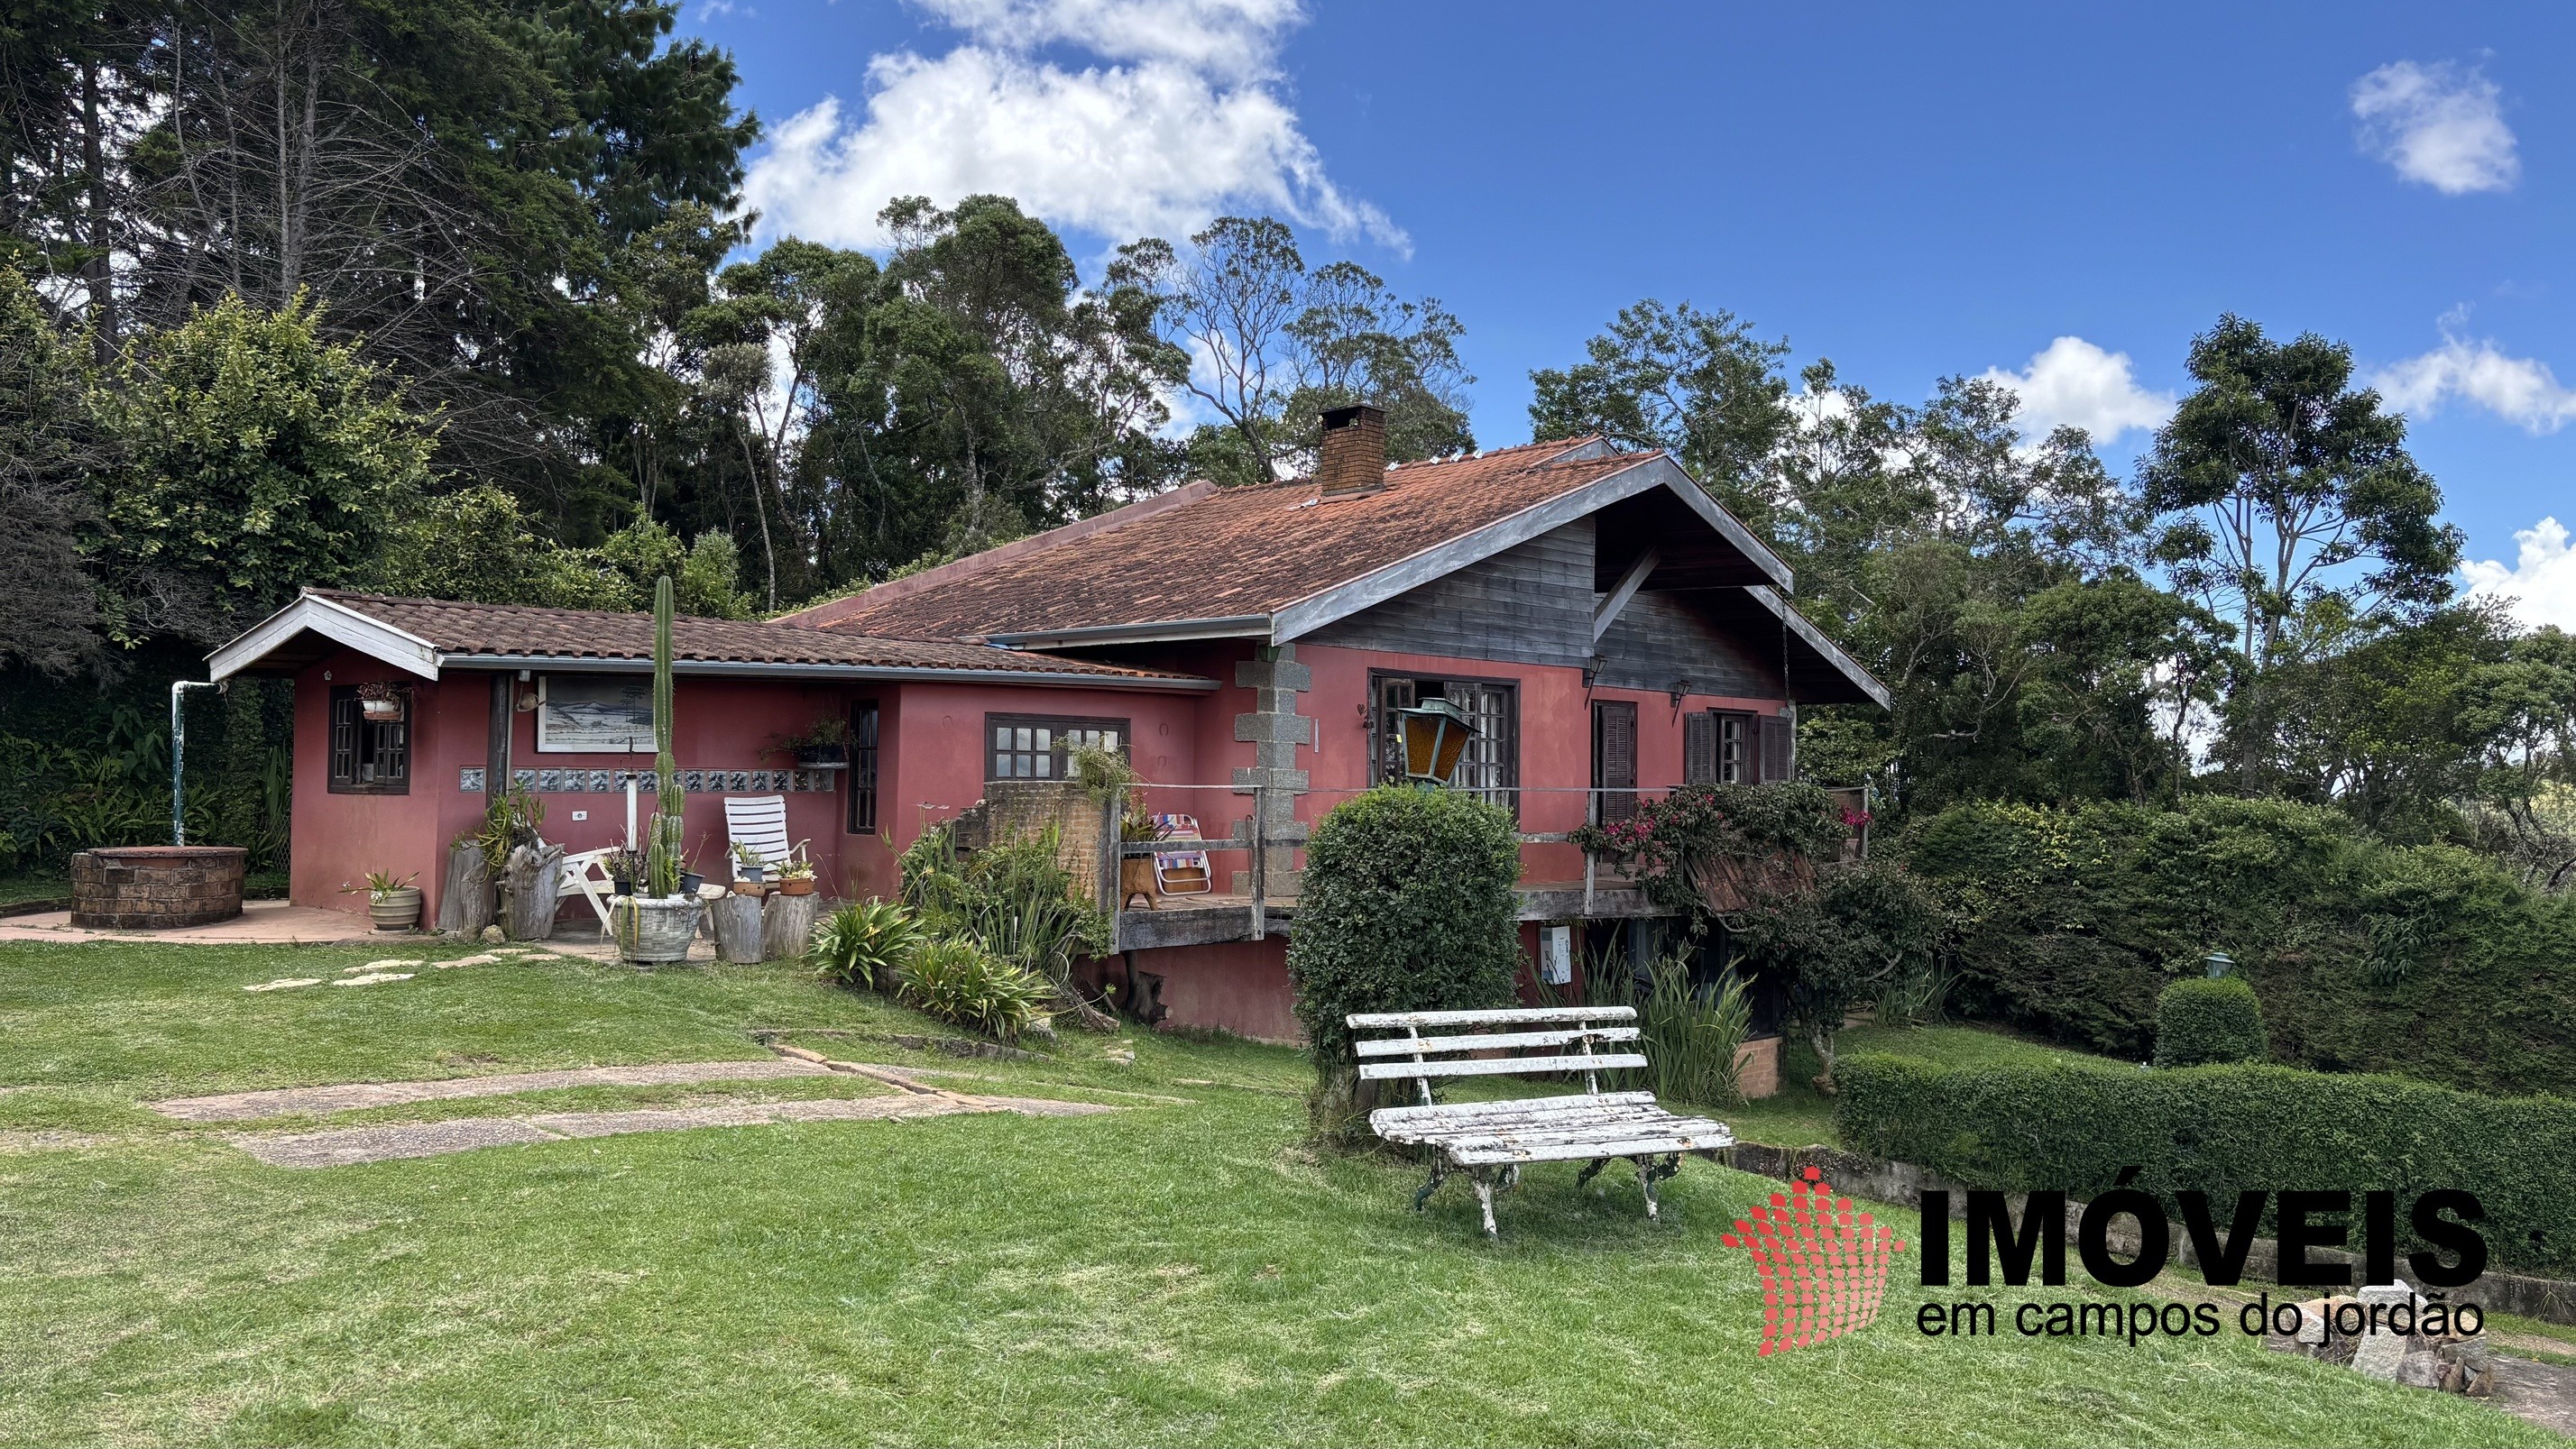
pixel 1617 599
pixel 333 621
pixel 1814 638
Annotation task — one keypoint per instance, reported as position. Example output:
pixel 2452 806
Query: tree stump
pixel 465 902
pixel 738 928
pixel 787 927
pixel 531 886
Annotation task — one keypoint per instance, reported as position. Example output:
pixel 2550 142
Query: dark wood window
pixel 1033 746
pixel 1491 766
pixel 369 757
pixel 1614 760
pixel 1719 747
pixel 863 768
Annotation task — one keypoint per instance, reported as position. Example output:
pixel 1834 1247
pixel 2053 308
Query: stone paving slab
pixel 433 1139
pixel 250 1106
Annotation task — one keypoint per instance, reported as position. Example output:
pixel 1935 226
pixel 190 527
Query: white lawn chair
pixel 759 821
pixel 1181 872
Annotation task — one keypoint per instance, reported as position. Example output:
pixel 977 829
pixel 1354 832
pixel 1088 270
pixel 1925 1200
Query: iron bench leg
pixel 1439 1174
pixel 1590 1171
pixel 1649 1172
pixel 1483 1178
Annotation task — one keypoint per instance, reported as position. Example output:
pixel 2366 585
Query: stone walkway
pixel 251 1106
pixel 436 1139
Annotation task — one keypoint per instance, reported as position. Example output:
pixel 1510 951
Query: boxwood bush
pixel 1406 906
pixel 2224 1130
pixel 2200 1021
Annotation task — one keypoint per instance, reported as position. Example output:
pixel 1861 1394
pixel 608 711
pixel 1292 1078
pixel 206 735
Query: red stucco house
pixel 1608 626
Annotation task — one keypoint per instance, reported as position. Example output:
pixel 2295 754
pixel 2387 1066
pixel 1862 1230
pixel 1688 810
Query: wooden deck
pixel 1204 920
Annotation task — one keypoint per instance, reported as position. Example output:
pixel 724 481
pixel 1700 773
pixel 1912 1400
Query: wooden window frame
pixel 867 721
pixel 1608 807
pixel 1061 724
pixel 342 713
pixel 1382 770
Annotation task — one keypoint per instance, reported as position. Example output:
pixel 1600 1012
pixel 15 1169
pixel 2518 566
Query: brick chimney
pixel 1353 461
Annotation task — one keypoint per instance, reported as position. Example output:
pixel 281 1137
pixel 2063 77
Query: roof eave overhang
pixel 1814 638
pixel 334 621
pixel 1647 474
pixel 887 673
pixel 1168 631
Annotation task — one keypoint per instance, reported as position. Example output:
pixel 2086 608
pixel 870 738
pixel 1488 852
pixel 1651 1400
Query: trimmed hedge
pixel 2200 1021
pixel 2224 1130
pixel 2428 961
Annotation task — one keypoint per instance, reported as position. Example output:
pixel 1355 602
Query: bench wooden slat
pixel 1590 1132
pixel 1619 1120
pixel 1584 1151
pixel 1516 1107
pixel 1365 1020
pixel 1497 1066
pixel 1497 1041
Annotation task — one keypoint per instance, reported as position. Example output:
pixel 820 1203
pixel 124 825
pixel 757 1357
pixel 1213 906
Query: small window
pixel 1719 747
pixel 1033 747
pixel 863 768
pixel 1491 765
pixel 1736 762
pixel 369 757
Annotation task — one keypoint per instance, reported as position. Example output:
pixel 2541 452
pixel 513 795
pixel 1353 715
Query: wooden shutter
pixel 344 737
pixel 1699 747
pixel 1614 758
pixel 1779 747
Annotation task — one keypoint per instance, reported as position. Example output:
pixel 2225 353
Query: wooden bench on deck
pixel 1488 1142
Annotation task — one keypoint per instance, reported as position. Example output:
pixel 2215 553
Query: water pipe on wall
pixel 178 748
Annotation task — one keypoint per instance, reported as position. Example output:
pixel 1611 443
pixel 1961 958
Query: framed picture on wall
pixel 595 714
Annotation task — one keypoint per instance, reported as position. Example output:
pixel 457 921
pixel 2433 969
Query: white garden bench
pixel 1489 1142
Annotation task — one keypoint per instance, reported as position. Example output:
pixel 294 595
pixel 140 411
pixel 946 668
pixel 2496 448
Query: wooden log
pixel 531 887
pixel 465 901
pixel 737 920
pixel 787 926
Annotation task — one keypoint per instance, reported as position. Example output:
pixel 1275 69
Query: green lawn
pixel 1167 1274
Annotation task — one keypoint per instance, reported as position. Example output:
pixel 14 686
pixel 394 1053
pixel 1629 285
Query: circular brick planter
pixel 154 887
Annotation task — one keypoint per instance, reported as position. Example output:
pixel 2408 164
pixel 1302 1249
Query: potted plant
pixel 823 746
pixel 657 925
pixel 381 702
pixel 392 903
pixel 796 878
pixel 1136 872
pixel 750 866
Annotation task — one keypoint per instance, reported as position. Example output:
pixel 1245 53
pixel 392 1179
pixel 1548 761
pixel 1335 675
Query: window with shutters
pixel 1491 765
pixel 1614 760
pixel 863 768
pixel 368 757
pixel 1727 747
pixel 1033 747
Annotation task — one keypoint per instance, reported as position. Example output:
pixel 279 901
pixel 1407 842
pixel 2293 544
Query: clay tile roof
pixel 1204 552
pixel 529 632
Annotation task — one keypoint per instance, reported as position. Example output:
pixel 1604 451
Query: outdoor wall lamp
pixel 1436 732
pixel 2217 964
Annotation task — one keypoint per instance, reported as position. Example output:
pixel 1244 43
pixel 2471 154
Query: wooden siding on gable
pixel 1662 637
pixel 1526 605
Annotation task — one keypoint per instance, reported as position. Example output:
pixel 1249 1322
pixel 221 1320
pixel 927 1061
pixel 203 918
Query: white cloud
pixel 1184 121
pixel 2541 582
pixel 2437 124
pixel 2518 389
pixel 2073 383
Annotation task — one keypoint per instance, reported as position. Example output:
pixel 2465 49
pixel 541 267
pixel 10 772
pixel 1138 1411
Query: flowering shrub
pixel 1669 845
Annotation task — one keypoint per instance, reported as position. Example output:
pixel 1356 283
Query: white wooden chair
pixel 759 821
pixel 587 872
pixel 1489 1142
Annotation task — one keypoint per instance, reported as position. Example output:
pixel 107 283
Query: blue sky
pixel 1910 190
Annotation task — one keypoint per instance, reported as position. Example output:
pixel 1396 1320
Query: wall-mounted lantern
pixel 1436 732
pixel 2218 964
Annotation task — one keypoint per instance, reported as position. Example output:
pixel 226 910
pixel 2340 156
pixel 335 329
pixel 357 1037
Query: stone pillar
pixel 1274 729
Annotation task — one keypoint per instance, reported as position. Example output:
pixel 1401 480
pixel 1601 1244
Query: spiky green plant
pixel 867 943
pixel 959 981
pixel 664 842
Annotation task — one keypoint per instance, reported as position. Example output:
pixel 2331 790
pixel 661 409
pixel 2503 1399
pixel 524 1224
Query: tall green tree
pixel 1697 384
pixel 50 446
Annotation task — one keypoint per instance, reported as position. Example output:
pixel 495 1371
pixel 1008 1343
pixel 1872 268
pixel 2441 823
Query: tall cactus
pixel 664 843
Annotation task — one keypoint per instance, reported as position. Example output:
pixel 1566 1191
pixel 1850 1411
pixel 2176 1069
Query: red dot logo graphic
pixel 1823 1267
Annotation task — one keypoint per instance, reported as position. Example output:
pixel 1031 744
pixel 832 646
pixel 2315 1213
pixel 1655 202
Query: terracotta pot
pixel 395 910
pixel 803 887
pixel 651 929
pixel 749 888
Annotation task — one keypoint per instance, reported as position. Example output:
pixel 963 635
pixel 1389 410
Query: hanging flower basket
pixel 380 703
